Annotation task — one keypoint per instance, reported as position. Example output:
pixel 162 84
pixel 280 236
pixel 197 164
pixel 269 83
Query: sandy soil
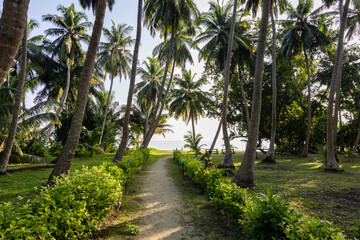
pixel 163 215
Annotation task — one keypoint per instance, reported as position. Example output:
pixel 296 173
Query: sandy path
pixel 163 213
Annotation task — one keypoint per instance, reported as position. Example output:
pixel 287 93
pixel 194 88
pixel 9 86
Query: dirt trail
pixel 163 213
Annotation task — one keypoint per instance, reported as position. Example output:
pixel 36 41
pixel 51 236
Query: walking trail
pixel 163 214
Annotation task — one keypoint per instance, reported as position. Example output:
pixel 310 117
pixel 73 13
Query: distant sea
pixel 239 144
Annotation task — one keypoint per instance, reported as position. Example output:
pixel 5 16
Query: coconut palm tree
pixel 12 24
pixel 189 100
pixel 222 29
pixel 64 162
pixel 115 57
pixel 245 175
pixel 166 16
pixel 193 143
pixel 120 153
pixel 149 88
pixel 70 32
pixel 303 34
pixel 331 161
pixel 15 114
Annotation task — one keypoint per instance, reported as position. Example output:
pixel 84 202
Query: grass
pixel 307 188
pixel 23 183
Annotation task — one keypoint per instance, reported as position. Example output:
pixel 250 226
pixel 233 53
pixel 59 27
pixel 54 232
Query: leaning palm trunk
pixel 331 162
pixel 12 25
pixel 64 162
pixel 158 116
pixel 228 162
pixel 193 129
pixel 15 115
pixel 153 123
pixel 106 109
pixel 121 151
pixel 308 127
pixel 208 153
pixel 270 155
pixel 245 175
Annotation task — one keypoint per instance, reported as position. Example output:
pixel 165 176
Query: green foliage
pixel 132 229
pixel 261 216
pixel 264 218
pixel 299 227
pixel 349 154
pixel 74 207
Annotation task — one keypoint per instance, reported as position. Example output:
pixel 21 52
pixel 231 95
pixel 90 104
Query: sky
pixel 125 11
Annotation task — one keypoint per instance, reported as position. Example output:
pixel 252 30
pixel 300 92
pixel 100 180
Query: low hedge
pixel 261 216
pixel 74 207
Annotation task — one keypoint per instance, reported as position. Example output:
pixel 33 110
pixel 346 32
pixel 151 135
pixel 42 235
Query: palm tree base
pixel 333 170
pixel 244 184
pixel 226 166
pixel 269 160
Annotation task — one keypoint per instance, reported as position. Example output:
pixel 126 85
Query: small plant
pixel 132 229
pixel 322 149
pixel 349 154
pixel 208 162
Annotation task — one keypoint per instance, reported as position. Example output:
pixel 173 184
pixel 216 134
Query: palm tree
pixel 189 100
pixel 70 32
pixel 64 162
pixel 245 175
pixel 149 88
pixel 274 9
pixel 15 114
pixel 193 143
pixel 167 16
pixel 120 153
pixel 115 57
pixel 303 34
pixel 12 24
pixel 222 30
pixel 331 162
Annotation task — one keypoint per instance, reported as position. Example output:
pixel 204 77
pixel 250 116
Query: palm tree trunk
pixel 64 162
pixel 106 108
pixel 193 129
pixel 331 162
pixel 308 127
pixel 153 126
pixel 152 131
pixel 356 144
pixel 228 162
pixel 15 115
pixel 121 151
pixel 147 117
pixel 208 153
pixel 243 95
pixel 12 25
pixel 245 175
pixel 270 155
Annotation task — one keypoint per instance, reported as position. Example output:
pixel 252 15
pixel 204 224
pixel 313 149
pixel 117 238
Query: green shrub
pixel 229 198
pixel 264 218
pixel 298 227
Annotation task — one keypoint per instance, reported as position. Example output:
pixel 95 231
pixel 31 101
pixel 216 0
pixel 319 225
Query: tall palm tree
pixel 15 114
pixel 331 162
pixel 223 33
pixel 166 16
pixel 115 57
pixel 121 151
pixel 70 32
pixel 189 100
pixel 245 175
pixel 64 162
pixel 12 24
pixel 303 34
pixel 149 88
pixel 275 8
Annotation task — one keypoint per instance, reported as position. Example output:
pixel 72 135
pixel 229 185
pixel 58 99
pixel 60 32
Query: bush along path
pixel 260 216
